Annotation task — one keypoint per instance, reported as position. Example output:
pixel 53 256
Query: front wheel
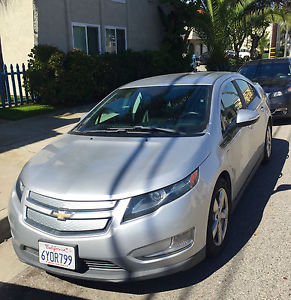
pixel 218 219
pixel 268 143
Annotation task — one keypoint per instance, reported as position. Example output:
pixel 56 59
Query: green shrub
pixel 76 84
pixel 217 61
pixel 235 63
pixel 76 78
pixel 42 76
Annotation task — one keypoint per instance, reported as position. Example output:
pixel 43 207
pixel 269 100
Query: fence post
pixel 19 84
pixel 2 92
pixel 5 73
pixel 13 85
pixel 26 93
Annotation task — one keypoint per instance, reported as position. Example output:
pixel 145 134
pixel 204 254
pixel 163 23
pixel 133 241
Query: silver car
pixel 144 184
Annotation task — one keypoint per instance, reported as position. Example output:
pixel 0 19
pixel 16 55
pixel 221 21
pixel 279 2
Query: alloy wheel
pixel 220 217
pixel 268 142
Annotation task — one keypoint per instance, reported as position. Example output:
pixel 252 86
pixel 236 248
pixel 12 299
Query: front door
pixel 236 140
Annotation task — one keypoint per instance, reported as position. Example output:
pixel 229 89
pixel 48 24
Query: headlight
pixel 148 203
pixel 19 188
pixel 277 94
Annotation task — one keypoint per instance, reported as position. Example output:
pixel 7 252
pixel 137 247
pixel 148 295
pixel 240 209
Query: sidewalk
pixel 20 140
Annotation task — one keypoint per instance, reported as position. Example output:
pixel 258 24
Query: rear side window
pixel 230 104
pixel 247 91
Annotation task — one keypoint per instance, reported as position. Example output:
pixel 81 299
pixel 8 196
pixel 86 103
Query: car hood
pixel 105 168
pixel 271 85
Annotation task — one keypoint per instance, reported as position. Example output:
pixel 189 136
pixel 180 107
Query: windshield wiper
pixel 92 131
pixel 157 129
pixel 130 129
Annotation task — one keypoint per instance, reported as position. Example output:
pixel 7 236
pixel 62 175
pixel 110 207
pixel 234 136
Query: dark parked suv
pixel 274 75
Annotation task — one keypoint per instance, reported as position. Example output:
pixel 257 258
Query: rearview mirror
pixel 83 117
pixel 246 117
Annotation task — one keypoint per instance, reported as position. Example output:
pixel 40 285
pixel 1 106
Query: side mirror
pixel 246 117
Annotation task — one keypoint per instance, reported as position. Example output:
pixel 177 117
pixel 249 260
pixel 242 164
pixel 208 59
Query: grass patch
pixel 25 111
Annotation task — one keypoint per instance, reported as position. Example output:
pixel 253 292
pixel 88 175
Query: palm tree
pixel 221 24
pixel 209 23
pixel 225 24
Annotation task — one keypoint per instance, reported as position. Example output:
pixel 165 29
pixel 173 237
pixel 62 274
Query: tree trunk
pixel 255 44
pixel 236 50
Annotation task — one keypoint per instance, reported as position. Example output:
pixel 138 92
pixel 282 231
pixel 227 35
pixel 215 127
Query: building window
pixel 87 38
pixel 120 1
pixel 115 38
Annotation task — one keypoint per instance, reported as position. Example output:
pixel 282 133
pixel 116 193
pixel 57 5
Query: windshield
pixel 160 109
pixel 273 69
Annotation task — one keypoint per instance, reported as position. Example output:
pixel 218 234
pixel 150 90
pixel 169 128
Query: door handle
pixel 262 108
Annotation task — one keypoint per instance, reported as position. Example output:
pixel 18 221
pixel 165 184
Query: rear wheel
pixel 268 143
pixel 218 219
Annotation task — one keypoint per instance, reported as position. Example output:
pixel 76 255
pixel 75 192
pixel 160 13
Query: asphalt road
pixel 255 264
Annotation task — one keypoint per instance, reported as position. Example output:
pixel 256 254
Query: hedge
pixel 75 78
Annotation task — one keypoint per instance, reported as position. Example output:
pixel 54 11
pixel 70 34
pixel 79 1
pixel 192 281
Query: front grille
pixel 101 265
pixel 63 218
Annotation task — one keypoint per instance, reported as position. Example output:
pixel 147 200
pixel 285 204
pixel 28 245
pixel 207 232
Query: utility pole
pixel 272 53
pixel 286 40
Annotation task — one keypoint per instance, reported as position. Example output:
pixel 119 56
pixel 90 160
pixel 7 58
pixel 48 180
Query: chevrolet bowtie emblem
pixel 61 215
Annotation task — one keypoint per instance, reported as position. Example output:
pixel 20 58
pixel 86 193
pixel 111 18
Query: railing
pixel 12 91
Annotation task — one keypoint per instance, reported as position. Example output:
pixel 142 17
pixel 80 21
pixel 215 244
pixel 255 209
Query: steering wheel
pixel 280 75
pixel 190 114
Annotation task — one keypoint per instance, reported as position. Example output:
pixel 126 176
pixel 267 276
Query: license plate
pixel 57 255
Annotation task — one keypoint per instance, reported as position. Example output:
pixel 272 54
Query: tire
pixel 268 143
pixel 218 218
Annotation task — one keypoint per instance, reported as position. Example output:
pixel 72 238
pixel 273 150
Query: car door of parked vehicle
pixel 236 141
pixel 257 130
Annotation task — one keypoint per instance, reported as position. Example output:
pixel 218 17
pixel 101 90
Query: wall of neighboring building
pixel 16 30
pixel 25 23
pixel 55 19
pixel 145 30
pixel 52 23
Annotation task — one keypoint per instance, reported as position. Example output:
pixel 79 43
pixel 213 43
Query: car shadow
pixel 244 223
pixel 280 122
pixel 9 291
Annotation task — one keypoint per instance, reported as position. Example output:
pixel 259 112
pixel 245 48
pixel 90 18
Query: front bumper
pixel 31 257
pixel 280 107
pixel 108 255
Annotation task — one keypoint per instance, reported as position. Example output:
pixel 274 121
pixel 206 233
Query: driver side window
pixel 230 104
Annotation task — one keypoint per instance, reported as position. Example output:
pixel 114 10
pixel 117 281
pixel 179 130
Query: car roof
pixel 197 78
pixel 267 60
